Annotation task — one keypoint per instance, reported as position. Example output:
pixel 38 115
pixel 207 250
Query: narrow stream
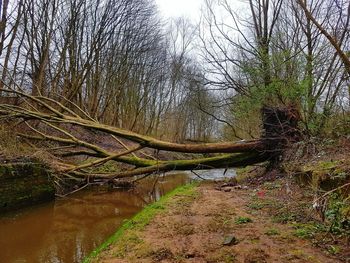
pixel 68 229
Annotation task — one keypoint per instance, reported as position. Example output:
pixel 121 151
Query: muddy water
pixel 68 229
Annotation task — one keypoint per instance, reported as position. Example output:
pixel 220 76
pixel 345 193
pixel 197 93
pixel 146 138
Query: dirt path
pixel 193 229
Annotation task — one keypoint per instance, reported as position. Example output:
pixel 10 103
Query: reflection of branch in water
pixel 198 174
pixel 140 178
pixel 88 183
pixel 158 174
pixel 74 191
pixel 77 200
pixel 143 194
pixel 140 196
pixel 154 184
pixel 152 193
pixel 200 177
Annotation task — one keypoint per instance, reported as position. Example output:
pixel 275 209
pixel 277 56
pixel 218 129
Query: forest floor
pixel 256 222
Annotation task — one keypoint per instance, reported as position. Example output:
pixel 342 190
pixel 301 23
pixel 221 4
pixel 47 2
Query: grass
pixel 272 185
pixel 222 255
pixel 243 220
pixel 256 206
pixel 333 250
pixel 307 231
pixel 128 230
pixel 257 203
pixel 12 147
pixel 284 217
pixel 298 254
pixel 272 232
pixel 218 223
pixel 183 228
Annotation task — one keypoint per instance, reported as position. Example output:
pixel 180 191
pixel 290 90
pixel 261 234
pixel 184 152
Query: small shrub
pixel 338 215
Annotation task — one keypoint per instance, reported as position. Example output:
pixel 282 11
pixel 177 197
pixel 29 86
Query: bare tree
pixel 334 28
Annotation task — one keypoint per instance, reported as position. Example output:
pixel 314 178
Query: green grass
pixel 307 231
pixel 243 220
pixel 284 217
pixel 143 218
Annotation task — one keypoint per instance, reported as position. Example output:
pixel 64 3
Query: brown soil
pixel 194 230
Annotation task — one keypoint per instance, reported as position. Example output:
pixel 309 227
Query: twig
pixel 198 175
pixel 76 190
pixel 331 191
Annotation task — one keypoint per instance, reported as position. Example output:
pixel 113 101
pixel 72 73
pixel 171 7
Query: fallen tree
pixel 49 120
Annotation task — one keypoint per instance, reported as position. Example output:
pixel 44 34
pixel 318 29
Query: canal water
pixel 68 229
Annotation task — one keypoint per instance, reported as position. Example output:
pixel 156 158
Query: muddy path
pixel 227 225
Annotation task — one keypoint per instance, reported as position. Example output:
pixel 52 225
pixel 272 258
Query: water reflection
pixel 68 229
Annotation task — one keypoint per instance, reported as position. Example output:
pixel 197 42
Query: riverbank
pixel 125 239
pixel 24 182
pixel 264 219
pixel 73 226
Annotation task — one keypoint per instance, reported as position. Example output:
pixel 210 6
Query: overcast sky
pixel 176 8
pixel 192 8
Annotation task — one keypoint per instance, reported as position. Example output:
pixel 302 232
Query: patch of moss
pixel 325 175
pixel 23 184
pixel 321 165
pixel 130 228
pixel 107 167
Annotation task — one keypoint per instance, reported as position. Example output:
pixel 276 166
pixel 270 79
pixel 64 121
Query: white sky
pixel 177 8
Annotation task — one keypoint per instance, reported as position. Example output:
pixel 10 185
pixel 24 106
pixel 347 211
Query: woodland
pixel 86 83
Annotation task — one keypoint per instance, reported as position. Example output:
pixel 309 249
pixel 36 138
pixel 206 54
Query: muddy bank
pixel 268 222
